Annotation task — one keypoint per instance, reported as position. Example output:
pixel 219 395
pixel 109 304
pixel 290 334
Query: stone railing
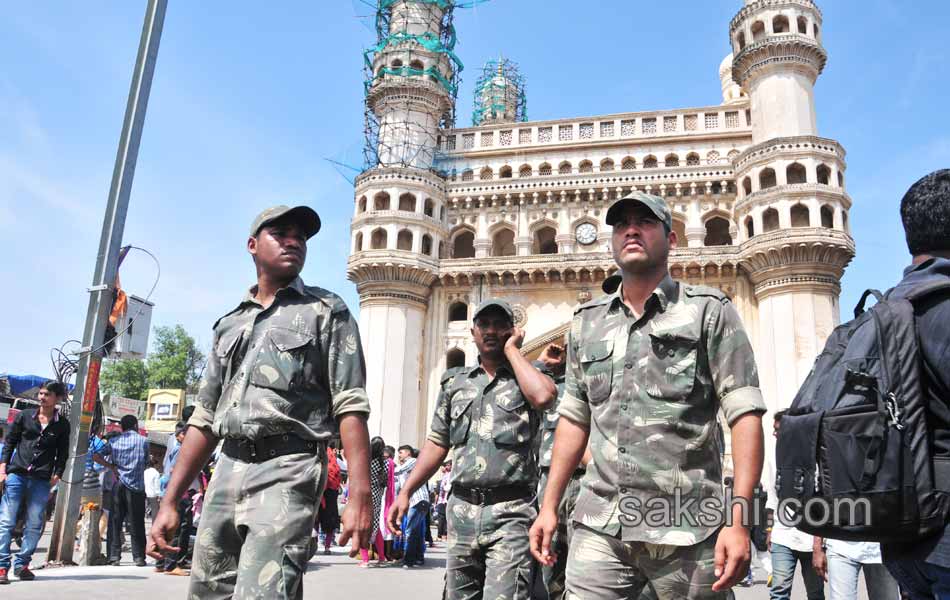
pixel 749 9
pixel 610 180
pixel 701 121
pixel 383 217
pixel 788 145
pixel 792 190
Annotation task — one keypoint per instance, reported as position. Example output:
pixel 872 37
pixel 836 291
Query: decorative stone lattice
pixel 524 171
pixel 565 133
pixel 506 137
pixel 524 136
pixel 732 155
pixel 607 129
pixel 628 164
pixel 691 122
pixel 628 128
pixel 468 141
pixel 587 131
pixel 468 175
pixel 544 169
pixel 732 119
pixel 712 158
pixel 488 139
pixel 669 124
pixel 692 160
pixel 520 315
pixel 649 126
pixel 712 121
pixel 544 134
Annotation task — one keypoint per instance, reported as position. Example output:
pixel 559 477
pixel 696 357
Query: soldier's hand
pixel 357 521
pixel 553 356
pixel 397 511
pixel 515 339
pixel 163 529
pixel 542 531
pixel 733 554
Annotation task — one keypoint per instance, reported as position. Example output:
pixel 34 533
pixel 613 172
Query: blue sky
pixel 250 98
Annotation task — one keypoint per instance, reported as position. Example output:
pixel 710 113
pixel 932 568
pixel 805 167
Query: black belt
pixel 266 448
pixel 485 496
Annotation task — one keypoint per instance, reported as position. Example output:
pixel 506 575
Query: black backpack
pixel 854 454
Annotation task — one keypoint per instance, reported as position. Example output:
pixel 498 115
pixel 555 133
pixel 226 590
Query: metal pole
pixel 103 283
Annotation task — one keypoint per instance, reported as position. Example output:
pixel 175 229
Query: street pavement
pixel 336 577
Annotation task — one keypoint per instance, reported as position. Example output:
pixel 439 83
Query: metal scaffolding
pixel 500 94
pixel 412 63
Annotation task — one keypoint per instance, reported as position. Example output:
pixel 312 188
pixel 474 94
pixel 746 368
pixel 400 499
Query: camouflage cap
pixel 501 304
pixel 304 216
pixel 656 205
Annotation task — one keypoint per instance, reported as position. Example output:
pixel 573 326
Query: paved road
pixel 335 576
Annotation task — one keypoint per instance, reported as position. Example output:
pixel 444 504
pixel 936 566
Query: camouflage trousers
pixel 254 533
pixel 604 567
pixel 488 553
pixel 553 576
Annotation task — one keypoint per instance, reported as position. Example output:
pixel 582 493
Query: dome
pixel 731 92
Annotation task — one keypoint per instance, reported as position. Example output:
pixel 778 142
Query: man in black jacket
pixel 41 440
pixel 922 567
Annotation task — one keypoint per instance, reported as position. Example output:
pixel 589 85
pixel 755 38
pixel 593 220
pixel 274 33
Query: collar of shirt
pixel 931 266
pixel 664 293
pixel 36 415
pixel 296 285
pixel 503 371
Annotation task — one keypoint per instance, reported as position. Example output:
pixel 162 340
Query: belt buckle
pixel 478 496
pixel 251 448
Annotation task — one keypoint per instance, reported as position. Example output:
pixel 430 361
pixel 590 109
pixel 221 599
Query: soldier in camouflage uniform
pixel 553 358
pixel 489 415
pixel 285 373
pixel 648 368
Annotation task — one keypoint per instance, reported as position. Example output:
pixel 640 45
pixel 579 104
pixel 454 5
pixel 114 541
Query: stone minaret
pixel 792 208
pixel 398 228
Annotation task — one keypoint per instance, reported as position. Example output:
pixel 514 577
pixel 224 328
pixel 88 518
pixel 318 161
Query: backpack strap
pixel 859 309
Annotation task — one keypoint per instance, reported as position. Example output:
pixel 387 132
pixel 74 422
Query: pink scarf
pixel 390 496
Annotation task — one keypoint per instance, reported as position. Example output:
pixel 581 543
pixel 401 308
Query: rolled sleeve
pixel 732 364
pixel 209 391
pixel 346 366
pixel 439 431
pixel 574 404
pixel 350 401
pixel 741 401
pixel 202 418
pixel 574 409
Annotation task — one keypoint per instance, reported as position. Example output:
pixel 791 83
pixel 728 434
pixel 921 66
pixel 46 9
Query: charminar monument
pixel 446 216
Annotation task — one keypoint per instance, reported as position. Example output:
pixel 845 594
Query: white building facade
pixel 516 210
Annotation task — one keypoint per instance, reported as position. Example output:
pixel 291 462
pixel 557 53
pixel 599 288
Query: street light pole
pixel 103 284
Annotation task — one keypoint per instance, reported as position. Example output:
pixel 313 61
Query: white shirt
pixel 784 535
pixel 152 486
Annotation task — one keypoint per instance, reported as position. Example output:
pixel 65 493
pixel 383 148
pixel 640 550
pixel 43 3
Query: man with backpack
pixel 922 566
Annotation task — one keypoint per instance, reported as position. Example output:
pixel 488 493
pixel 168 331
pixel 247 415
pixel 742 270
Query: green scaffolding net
pixel 500 94
pixel 427 41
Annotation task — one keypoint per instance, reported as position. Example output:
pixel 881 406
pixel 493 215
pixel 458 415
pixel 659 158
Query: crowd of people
pixel 585 474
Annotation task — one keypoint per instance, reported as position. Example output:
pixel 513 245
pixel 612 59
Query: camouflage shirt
pixel 490 425
pixel 548 425
pixel 290 368
pixel 650 387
